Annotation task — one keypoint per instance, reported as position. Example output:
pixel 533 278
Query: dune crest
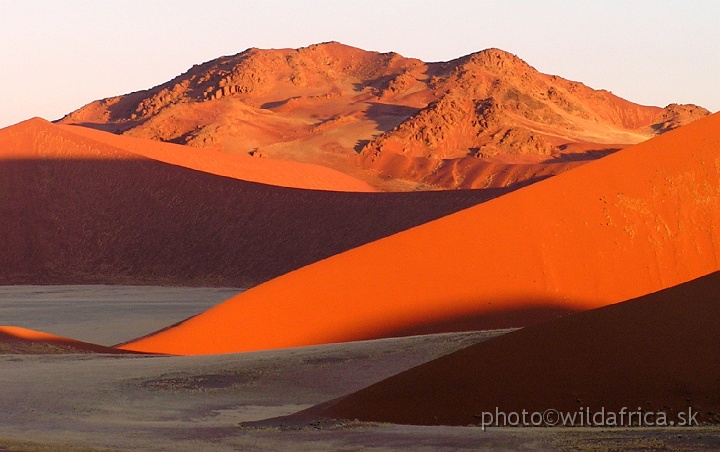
pixel 281 173
pixel 72 142
pixel 635 222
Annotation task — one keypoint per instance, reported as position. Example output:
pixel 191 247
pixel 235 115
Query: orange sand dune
pixel 75 210
pixel 659 352
pixel 266 171
pixel 18 340
pixel 637 221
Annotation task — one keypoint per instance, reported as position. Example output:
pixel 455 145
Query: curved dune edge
pixel 261 170
pixel 635 222
pixel 659 352
pixel 75 142
pixel 265 171
pixel 18 340
pixel 78 211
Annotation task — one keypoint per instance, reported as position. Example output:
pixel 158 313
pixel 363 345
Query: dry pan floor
pixel 91 402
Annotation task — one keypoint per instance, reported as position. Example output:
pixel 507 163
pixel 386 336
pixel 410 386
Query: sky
pixel 56 56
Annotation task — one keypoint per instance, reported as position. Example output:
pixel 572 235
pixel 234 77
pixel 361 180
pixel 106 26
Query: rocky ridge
pixel 430 125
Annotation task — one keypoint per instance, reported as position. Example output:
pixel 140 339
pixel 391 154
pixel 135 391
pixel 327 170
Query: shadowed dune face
pixel 75 210
pixel 659 352
pixel 16 340
pixel 635 222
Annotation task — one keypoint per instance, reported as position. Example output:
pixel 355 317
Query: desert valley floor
pixel 100 402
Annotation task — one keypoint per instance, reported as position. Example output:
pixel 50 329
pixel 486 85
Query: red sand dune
pixel 659 352
pixel 263 170
pixel 76 210
pixel 16 340
pixel 635 222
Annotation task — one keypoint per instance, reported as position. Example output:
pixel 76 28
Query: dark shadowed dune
pixel 659 352
pixel 74 211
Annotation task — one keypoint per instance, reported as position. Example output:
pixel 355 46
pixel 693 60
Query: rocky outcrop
pixel 675 115
pixel 402 118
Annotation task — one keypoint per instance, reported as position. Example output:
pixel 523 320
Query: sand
pixel 17 340
pixel 281 173
pixel 655 353
pixel 80 211
pixel 101 314
pixel 124 402
pixel 640 220
pixel 353 270
pixel 187 403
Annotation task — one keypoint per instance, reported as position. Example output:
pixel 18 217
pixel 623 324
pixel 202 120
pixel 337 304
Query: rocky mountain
pixel 484 120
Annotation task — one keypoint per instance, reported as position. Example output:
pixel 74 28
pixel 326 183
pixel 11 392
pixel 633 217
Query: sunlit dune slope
pixel 635 222
pixel 659 352
pixel 263 170
pixel 16 340
pixel 74 210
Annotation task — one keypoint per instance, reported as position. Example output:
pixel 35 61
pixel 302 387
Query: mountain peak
pixel 494 57
pixel 413 124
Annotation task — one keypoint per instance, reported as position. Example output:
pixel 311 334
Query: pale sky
pixel 56 56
